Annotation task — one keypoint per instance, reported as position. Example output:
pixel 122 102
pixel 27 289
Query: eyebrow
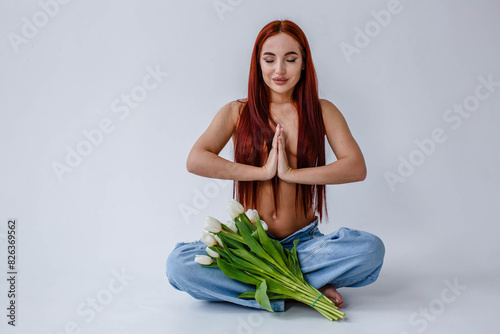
pixel 286 54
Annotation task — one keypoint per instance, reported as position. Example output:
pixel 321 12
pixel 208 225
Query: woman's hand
pixel 271 167
pixel 284 169
pixel 277 161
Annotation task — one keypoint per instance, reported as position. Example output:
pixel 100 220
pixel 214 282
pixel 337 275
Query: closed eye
pixel 290 61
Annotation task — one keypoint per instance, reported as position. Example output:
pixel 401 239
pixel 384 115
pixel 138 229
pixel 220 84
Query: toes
pixel 333 295
pixel 336 297
pixel 338 301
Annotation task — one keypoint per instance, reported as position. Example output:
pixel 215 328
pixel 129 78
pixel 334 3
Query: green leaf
pixel 224 227
pixel 261 296
pixel 296 265
pixel 244 219
pixel 209 265
pixel 247 256
pixel 216 249
pixel 243 262
pixel 254 245
pixel 222 252
pixel 282 251
pixel 273 295
pixel 236 274
pixel 289 258
pixel 247 295
pixel 230 241
pixel 268 245
pixel 232 236
pixel 277 288
pixel 251 295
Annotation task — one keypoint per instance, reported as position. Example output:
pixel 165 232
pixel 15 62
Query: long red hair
pixel 253 128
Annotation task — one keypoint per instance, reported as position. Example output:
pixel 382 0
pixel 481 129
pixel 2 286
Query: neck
pixel 281 98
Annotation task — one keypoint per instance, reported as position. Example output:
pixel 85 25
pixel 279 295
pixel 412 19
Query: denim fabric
pixel 344 258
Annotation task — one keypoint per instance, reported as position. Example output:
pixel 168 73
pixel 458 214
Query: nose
pixel 280 67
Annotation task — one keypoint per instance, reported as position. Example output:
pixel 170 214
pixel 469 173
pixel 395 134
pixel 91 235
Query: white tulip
pixel 212 253
pixel 264 225
pixel 208 239
pixel 216 237
pixel 212 225
pixel 252 215
pixel 231 225
pixel 203 259
pixel 234 208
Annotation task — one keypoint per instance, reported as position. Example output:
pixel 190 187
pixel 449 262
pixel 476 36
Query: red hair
pixel 253 129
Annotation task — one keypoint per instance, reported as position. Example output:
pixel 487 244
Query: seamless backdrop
pixel 102 101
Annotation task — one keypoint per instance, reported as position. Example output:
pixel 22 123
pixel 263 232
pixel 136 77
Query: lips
pixel 280 81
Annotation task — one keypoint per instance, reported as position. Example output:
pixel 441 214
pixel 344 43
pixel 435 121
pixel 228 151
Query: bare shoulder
pixel 337 131
pixel 332 117
pixel 231 111
pixel 220 130
pixel 328 108
pixel 238 105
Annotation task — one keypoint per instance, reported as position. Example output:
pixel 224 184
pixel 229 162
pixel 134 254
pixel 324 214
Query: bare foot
pixel 330 292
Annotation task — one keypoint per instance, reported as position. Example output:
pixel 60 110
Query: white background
pixel 122 208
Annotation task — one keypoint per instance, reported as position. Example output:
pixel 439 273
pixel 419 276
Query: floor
pixel 400 302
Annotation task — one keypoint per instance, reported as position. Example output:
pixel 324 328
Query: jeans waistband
pixel 303 234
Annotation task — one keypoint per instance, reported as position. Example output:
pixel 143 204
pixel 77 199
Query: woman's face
pixel 281 63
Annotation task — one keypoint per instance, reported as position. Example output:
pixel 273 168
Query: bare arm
pixel 204 159
pixel 350 165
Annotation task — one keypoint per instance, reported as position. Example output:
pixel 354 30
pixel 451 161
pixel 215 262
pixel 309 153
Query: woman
pixel 279 169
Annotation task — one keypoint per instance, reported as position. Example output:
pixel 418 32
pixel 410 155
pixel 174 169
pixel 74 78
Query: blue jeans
pixel 344 258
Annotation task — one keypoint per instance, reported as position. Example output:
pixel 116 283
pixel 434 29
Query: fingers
pixel 275 138
pixel 271 165
pixel 281 139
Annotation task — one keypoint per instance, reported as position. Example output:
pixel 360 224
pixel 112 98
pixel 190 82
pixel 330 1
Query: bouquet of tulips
pixel 243 251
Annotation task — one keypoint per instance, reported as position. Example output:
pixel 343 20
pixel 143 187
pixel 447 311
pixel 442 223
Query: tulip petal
pixel 203 259
pixel 212 253
pixel 217 239
pixel 231 225
pixel 208 239
pixel 212 225
pixel 264 225
pixel 234 208
pixel 252 215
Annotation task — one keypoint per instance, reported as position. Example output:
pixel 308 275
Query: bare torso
pixel 283 220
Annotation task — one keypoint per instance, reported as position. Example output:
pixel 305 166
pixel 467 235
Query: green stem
pixel 307 294
pixel 323 305
pixel 332 309
pixel 233 236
